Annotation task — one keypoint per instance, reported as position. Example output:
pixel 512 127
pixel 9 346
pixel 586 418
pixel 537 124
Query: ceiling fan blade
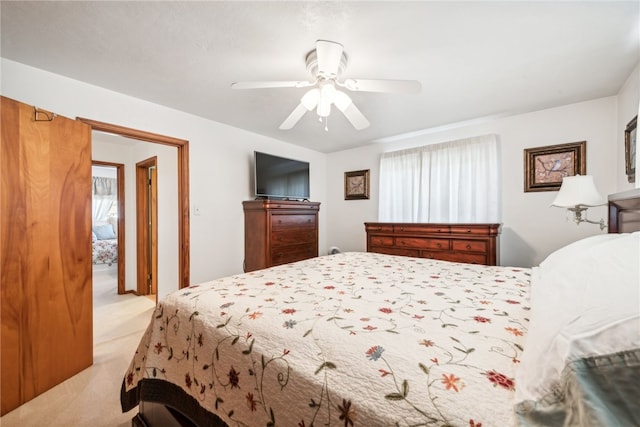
pixel 271 84
pixel 329 55
pixel 355 116
pixel 350 111
pixel 307 103
pixel 294 117
pixel 391 86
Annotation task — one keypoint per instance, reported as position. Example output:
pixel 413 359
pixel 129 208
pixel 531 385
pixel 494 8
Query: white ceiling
pixel 474 59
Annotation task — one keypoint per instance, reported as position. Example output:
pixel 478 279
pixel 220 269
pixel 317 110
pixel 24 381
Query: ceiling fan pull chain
pixel 326 124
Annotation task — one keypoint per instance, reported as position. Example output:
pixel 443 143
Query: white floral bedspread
pixel 352 339
pixel 105 251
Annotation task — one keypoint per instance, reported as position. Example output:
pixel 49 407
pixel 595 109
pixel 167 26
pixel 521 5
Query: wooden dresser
pixel 470 243
pixel 279 231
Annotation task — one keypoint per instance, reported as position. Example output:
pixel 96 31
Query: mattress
pixel 347 339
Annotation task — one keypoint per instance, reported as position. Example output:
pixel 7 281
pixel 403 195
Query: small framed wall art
pixel 356 185
pixel 630 134
pixel 544 167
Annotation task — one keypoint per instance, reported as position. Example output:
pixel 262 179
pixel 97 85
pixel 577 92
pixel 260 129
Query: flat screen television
pixel 280 178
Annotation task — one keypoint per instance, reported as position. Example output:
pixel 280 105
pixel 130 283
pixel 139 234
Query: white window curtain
pixel 105 193
pixel 452 182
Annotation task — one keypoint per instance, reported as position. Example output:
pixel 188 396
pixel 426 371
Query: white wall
pixel 531 229
pixel 220 159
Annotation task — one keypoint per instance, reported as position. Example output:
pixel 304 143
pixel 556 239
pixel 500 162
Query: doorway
pixel 119 225
pixel 182 147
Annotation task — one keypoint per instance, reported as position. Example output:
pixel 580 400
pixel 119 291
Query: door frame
pixel 121 219
pixel 146 227
pixel 182 146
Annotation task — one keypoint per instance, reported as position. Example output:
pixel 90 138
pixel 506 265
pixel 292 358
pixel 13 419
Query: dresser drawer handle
pixel 468 246
pixel 439 245
pixel 468 230
pixel 401 228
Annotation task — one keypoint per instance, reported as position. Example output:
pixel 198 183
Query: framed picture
pixel 356 185
pixel 630 149
pixel 544 167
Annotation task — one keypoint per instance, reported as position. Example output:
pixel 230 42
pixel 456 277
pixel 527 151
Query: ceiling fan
pixel 325 64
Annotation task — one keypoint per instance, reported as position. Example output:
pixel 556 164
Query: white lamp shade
pixel 324 109
pixel 578 190
pixel 310 99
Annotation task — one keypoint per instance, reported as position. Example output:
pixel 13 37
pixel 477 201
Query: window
pixel 105 198
pixel 452 182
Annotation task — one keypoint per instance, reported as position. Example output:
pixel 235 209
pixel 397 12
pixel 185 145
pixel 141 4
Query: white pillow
pixel 104 232
pixel 561 256
pixel 585 301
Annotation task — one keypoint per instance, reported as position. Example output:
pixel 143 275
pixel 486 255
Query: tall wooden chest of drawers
pixel 470 243
pixel 279 231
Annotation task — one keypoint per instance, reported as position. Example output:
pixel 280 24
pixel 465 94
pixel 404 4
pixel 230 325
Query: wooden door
pixel 147 226
pixel 45 251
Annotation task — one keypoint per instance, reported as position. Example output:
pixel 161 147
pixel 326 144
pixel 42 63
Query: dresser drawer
pixel 443 256
pixel 395 251
pixel 414 242
pixel 424 229
pixel 478 231
pixel 292 253
pixel 379 228
pixel 297 206
pixel 293 221
pixel 292 236
pixel 470 245
pixel 381 241
pixel 468 258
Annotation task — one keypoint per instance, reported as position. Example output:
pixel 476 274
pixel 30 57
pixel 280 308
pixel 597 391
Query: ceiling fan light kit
pixel 325 64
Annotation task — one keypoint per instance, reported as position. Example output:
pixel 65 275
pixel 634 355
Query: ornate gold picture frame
pixel 630 135
pixel 544 167
pixel 356 185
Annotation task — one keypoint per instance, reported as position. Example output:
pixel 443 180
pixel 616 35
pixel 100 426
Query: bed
pixel 366 339
pixel 105 251
pixel 104 244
